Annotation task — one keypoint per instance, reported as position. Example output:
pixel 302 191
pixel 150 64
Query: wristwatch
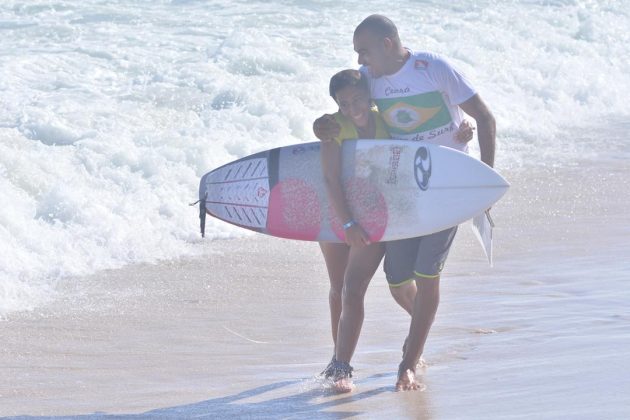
pixel 349 224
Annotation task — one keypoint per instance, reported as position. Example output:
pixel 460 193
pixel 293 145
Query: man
pixel 420 97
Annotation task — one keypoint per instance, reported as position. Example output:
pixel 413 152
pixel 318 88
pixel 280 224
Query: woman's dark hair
pixel 347 78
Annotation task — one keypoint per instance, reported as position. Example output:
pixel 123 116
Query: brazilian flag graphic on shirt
pixel 414 114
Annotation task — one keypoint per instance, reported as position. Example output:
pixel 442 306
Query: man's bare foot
pixel 421 363
pixel 407 381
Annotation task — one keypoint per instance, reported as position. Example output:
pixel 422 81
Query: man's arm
pixel 326 127
pixel 486 127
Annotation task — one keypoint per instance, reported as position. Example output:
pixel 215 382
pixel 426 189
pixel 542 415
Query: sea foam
pixel 111 112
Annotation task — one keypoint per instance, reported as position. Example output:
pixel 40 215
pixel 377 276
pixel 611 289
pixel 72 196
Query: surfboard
pixel 395 189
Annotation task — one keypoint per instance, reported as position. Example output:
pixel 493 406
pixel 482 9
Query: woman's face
pixel 354 103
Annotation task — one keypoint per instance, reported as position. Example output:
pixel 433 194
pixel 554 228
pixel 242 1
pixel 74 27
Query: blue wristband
pixel 349 224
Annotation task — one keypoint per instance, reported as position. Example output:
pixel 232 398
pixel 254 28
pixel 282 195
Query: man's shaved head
pixel 378 45
pixel 380 26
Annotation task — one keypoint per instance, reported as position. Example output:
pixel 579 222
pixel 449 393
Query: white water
pixel 111 111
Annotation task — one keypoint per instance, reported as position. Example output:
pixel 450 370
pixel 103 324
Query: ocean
pixel 111 302
pixel 110 112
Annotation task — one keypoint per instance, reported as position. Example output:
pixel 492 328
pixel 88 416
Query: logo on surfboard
pixel 261 192
pixel 422 167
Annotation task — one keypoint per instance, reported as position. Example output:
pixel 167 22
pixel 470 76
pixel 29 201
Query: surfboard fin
pixel 202 214
pixel 482 227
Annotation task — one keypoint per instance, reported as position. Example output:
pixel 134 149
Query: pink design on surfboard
pixel 368 206
pixel 296 218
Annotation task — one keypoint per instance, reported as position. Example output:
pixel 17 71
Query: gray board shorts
pixel 423 257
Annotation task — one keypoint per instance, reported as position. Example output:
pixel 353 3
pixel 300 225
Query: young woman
pixel 352 264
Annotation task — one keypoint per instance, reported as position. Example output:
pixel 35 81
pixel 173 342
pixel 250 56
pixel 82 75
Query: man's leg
pixel 404 294
pixel 425 308
pixel 400 260
pixel 431 255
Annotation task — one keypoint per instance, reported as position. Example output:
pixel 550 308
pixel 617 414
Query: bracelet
pixel 349 224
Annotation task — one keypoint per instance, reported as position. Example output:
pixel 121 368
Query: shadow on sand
pixel 300 405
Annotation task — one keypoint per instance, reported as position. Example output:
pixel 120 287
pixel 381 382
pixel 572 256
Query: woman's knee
pixel 335 293
pixel 353 295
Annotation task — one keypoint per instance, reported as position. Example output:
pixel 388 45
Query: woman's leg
pixel 336 257
pixel 362 264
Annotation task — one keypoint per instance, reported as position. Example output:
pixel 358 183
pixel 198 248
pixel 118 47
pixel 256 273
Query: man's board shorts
pixel 422 257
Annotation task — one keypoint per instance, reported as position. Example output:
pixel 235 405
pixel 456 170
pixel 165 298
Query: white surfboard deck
pixel 396 189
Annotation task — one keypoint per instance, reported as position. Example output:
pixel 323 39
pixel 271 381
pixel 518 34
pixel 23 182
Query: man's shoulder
pixel 426 55
pixel 425 60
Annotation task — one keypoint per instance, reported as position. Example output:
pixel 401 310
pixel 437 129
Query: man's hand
pixel 326 127
pixel 465 132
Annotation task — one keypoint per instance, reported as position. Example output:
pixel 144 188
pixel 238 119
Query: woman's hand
pixel 356 236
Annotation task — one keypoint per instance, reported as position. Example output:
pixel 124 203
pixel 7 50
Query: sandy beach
pixel 112 306
pixel 243 331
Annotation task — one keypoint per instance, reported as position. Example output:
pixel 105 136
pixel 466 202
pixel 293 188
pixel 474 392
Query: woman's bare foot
pixel 343 385
pixel 340 373
pixel 328 370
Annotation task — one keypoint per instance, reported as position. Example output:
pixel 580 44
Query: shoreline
pixel 242 332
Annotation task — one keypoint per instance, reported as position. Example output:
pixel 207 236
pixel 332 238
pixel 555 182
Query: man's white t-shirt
pixel 420 101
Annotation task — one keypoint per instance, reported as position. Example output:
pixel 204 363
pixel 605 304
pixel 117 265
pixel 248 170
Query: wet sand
pixel 243 331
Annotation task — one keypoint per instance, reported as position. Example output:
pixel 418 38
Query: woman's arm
pixel 331 168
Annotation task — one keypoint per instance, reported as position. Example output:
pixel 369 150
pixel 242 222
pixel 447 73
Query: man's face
pixel 372 52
